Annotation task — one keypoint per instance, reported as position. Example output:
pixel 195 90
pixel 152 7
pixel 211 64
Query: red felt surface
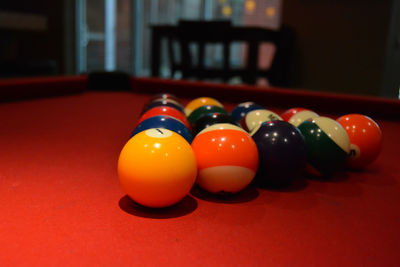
pixel 16 89
pixel 61 203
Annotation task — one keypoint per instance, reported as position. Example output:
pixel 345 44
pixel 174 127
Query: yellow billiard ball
pixel 157 168
pixel 201 101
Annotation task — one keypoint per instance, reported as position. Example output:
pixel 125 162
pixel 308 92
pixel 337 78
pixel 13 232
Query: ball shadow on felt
pixel 184 207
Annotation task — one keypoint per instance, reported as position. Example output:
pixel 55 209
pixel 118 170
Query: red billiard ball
pixel 365 139
pixel 297 116
pixel 163 102
pixel 168 111
pixel 227 158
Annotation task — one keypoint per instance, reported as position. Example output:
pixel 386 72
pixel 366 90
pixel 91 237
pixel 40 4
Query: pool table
pixel 61 202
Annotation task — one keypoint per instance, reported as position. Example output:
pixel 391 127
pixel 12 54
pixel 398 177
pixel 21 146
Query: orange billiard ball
pixel 157 168
pixel 365 139
pixel 227 158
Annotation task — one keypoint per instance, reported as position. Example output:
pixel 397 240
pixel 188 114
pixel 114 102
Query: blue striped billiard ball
pixel 243 108
pixel 165 122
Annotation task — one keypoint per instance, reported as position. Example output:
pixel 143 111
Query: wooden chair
pixel 200 33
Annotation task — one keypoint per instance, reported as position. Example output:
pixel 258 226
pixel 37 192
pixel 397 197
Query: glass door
pixel 115 34
pixel 104 35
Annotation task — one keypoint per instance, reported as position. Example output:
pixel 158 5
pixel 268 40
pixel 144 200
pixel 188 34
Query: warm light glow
pixel 270 12
pixel 250 5
pixel 399 93
pixel 226 11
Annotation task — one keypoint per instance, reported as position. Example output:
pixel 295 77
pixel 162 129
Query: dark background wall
pixel 340 44
pixel 30 46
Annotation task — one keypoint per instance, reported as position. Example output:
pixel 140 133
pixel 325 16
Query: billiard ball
pixel 163 110
pixel 164 96
pixel 290 112
pixel 163 103
pixel 157 168
pixel 210 119
pixel 296 116
pixel 282 153
pixel 203 110
pixel 243 108
pixel 165 122
pixel 327 145
pixel 255 117
pixel 201 101
pixel 227 158
pixel 365 139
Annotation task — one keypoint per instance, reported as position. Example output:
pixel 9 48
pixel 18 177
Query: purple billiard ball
pixel 282 153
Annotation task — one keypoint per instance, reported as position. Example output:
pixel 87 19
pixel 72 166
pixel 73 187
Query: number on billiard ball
pixel 166 122
pixel 365 139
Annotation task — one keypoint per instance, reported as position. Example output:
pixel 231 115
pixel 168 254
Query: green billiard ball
pixel 199 112
pixel 327 145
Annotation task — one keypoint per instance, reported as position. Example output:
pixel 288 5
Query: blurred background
pixel 346 46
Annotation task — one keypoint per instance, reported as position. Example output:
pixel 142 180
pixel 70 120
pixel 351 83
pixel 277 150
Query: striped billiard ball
pixel 165 122
pixel 327 145
pixel 297 116
pixel 227 158
pixel 254 118
pixel 243 108
pixel 365 139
